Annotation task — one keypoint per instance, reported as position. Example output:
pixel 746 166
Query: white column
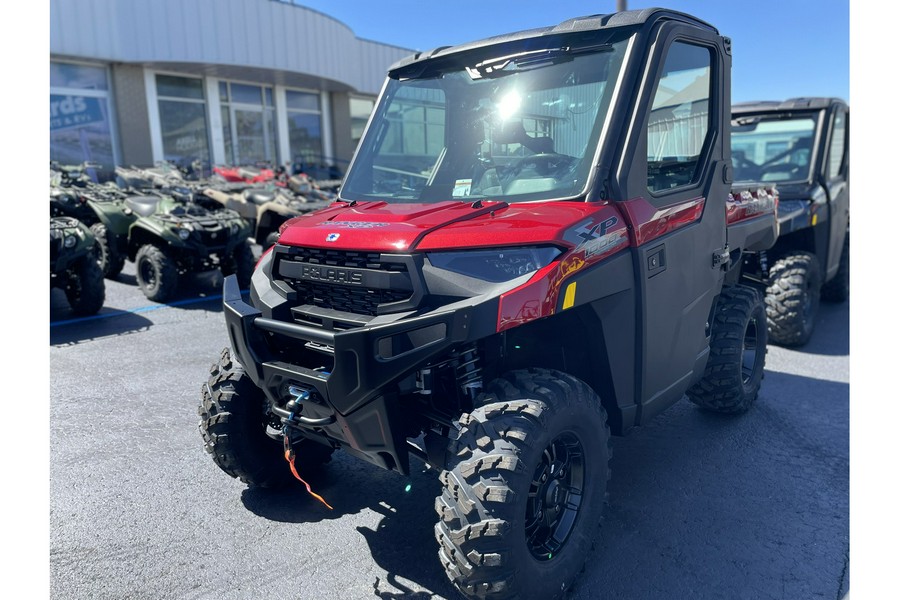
pixel 156 143
pixel 281 125
pixel 327 141
pixel 214 116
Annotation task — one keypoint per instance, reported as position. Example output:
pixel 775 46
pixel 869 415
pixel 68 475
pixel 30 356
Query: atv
pixel 556 257
pixel 800 145
pixel 266 208
pixel 74 266
pixel 163 231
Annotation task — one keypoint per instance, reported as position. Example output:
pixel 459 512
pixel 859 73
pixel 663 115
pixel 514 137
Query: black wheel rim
pixel 749 354
pixel 555 497
pixel 148 273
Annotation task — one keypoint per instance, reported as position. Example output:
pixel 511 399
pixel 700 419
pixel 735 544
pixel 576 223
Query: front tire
pixel 85 289
pixel 737 353
pixel 524 487
pixel 157 275
pixel 233 424
pixel 792 298
pixel 240 263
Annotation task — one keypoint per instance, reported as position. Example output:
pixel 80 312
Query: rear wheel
pixel 157 275
pixel 85 289
pixel 838 289
pixel 737 353
pixel 524 488
pixel 792 298
pixel 112 261
pixel 233 424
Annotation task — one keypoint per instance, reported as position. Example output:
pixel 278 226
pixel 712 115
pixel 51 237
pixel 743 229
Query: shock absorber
pixel 468 373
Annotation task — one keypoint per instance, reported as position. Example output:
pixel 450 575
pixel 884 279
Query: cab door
pixel 837 183
pixel 672 185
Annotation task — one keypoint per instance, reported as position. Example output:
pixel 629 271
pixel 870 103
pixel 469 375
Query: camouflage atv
pixel 74 267
pixel 266 208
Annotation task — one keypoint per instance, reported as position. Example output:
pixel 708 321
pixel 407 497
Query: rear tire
pixel 233 424
pixel 737 353
pixel 111 260
pixel 85 289
pixel 524 487
pixel 157 275
pixel 792 298
pixel 838 289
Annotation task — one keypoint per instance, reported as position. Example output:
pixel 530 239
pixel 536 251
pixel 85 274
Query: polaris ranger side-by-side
pixel 536 246
pixel 801 146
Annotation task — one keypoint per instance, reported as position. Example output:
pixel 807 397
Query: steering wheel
pixel 544 164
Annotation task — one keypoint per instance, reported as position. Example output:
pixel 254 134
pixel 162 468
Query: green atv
pixel 166 234
pixel 73 265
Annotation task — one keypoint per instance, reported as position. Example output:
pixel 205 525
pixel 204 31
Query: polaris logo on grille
pixel 331 275
pixel 332 237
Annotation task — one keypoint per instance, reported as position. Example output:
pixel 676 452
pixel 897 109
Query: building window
pixel 80 122
pixel 182 119
pixel 360 109
pixel 304 116
pixel 248 123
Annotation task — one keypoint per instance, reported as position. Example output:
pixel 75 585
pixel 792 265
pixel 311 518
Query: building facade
pixel 234 82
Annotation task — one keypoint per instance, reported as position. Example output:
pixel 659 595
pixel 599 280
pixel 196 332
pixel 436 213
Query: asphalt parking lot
pixel 700 507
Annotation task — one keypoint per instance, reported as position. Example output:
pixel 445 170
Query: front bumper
pixel 352 400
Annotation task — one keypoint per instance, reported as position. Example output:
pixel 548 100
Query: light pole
pixel 621 5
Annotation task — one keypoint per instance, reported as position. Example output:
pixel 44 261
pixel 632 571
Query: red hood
pixel 383 227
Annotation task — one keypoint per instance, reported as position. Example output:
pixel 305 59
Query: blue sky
pixel 782 49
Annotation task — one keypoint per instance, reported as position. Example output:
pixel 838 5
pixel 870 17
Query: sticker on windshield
pixel 462 187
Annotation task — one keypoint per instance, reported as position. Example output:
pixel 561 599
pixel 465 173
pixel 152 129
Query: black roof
pixel 588 23
pixel 792 104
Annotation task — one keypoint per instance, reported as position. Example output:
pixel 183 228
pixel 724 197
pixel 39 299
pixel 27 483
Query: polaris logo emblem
pixel 332 237
pixel 331 275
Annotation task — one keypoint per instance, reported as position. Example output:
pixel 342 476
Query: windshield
pixel 772 148
pixel 519 128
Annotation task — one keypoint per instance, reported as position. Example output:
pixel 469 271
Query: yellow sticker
pixel 814 219
pixel 569 300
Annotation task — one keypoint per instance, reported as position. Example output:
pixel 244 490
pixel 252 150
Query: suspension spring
pixel 468 373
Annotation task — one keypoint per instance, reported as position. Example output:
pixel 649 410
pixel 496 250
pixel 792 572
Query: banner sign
pixel 75 111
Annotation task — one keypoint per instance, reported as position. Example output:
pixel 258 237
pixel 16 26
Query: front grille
pixel 211 234
pixel 359 299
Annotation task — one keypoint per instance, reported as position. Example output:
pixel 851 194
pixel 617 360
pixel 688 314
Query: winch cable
pixel 289 456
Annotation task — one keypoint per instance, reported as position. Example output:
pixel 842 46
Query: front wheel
pixel 524 487
pixel 157 275
pixel 737 353
pixel 233 424
pixel 240 263
pixel 85 289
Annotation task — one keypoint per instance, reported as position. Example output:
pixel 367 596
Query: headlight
pixel 184 233
pixel 70 241
pixel 497 264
